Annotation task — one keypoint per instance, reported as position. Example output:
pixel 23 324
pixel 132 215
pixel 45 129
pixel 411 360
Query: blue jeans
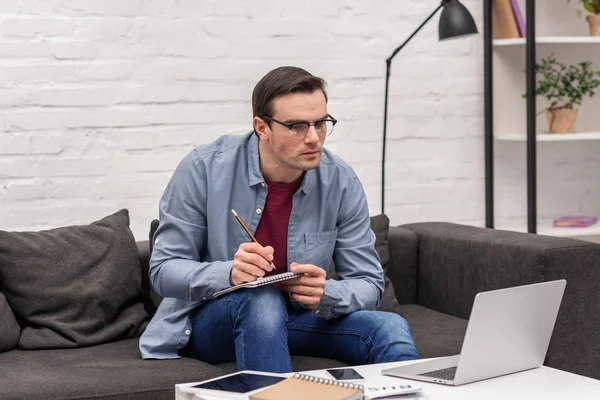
pixel 258 330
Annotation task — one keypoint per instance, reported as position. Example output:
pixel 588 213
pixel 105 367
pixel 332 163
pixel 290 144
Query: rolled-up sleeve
pixel 181 238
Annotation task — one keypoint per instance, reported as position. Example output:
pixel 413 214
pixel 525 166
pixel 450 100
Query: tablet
pixel 233 386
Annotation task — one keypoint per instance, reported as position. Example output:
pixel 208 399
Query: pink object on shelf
pixel 572 221
pixel 519 18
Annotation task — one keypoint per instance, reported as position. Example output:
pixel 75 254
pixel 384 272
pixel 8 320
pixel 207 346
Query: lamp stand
pixel 388 63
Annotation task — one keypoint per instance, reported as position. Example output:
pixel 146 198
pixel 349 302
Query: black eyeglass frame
pixel 291 125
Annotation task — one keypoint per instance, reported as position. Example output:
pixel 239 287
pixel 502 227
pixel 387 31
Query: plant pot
pixel 561 120
pixel 594 21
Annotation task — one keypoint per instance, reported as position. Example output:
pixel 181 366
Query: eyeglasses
pixel 298 130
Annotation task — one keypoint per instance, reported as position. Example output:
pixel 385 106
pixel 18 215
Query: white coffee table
pixel 540 383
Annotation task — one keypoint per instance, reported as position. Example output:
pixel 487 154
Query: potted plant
pixel 564 86
pixel 593 7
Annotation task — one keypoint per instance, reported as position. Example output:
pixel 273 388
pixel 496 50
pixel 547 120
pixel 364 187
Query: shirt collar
pixel 255 176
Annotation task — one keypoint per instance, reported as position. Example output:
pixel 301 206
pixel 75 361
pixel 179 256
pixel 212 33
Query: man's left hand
pixel 307 290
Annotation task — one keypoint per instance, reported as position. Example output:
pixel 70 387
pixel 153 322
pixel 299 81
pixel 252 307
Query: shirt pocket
pixel 319 247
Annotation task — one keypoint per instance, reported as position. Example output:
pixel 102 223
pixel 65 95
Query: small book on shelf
pixel 574 222
pixel 519 18
pixel 306 387
pixel 259 282
pixel 504 25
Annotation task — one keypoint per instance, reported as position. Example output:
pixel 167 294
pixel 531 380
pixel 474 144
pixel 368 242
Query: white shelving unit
pixel 549 40
pixel 593 230
pixel 509 85
pixel 510 120
pixel 547 137
pixel 548 229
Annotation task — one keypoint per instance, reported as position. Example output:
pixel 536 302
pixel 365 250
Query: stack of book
pixel 507 20
pixel 576 222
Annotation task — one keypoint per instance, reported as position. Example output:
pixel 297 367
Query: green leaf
pixel 565 84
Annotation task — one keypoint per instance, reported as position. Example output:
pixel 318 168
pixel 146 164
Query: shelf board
pixel 570 232
pixel 548 40
pixel 548 137
pixel 549 230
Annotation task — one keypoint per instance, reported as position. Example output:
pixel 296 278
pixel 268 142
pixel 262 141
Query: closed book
pixel 574 221
pixel 306 387
pixel 519 18
pixel 504 25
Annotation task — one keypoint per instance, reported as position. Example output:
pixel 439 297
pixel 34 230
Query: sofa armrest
pixel 402 265
pixel 456 262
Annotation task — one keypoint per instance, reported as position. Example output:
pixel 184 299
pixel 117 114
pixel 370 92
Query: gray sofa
pixel 434 270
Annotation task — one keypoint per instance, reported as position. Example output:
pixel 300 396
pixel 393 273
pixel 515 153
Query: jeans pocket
pixel 319 248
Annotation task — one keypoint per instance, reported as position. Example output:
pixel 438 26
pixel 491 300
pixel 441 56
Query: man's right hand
pixel 250 262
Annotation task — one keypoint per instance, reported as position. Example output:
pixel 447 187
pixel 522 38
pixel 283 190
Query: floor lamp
pixel 455 21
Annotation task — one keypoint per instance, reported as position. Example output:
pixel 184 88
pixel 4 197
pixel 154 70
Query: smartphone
pixel 344 374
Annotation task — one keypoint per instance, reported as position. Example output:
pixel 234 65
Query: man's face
pixel 301 153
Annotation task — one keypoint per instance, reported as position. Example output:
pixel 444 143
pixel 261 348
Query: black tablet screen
pixel 240 383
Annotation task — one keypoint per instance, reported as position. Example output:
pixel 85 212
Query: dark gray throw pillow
pixel 381 226
pixel 74 286
pixel 9 328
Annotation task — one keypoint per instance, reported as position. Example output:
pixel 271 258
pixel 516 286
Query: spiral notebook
pixel 306 387
pixel 259 282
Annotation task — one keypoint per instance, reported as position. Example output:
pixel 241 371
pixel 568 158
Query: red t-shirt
pixel 273 226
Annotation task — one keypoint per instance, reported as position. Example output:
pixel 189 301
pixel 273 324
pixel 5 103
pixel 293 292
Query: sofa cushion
pixel 434 333
pixel 108 371
pixel 74 286
pixel 9 328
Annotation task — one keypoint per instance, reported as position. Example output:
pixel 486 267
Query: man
pixel 305 207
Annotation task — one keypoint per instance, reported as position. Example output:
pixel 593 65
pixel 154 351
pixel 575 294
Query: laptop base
pixel 415 371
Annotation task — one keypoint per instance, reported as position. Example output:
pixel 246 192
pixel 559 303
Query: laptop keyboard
pixel 446 373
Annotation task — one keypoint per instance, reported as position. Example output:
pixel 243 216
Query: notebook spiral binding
pixel 328 381
pixel 277 278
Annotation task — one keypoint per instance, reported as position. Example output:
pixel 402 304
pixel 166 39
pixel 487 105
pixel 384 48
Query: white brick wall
pixel 99 100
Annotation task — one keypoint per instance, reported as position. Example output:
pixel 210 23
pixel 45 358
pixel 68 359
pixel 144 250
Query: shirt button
pixel 262 184
pixel 156 241
pixel 188 332
pixel 316 311
pixel 258 211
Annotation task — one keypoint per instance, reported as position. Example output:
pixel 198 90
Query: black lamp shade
pixel 455 21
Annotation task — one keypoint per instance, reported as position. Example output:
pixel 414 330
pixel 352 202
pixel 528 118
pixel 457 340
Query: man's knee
pixel 386 327
pixel 396 339
pixel 263 295
pixel 394 324
pixel 383 322
pixel 263 305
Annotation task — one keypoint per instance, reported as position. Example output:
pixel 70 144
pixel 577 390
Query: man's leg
pixel 248 325
pixel 362 337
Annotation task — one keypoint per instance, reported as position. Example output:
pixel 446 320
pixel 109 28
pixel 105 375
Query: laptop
pixel 509 331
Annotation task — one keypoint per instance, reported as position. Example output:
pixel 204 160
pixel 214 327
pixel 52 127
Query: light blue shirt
pixel 198 236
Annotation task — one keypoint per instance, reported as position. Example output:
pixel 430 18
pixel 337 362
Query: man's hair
pixel 280 81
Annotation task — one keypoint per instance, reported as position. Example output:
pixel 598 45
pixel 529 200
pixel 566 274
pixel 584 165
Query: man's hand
pixel 309 289
pixel 250 262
